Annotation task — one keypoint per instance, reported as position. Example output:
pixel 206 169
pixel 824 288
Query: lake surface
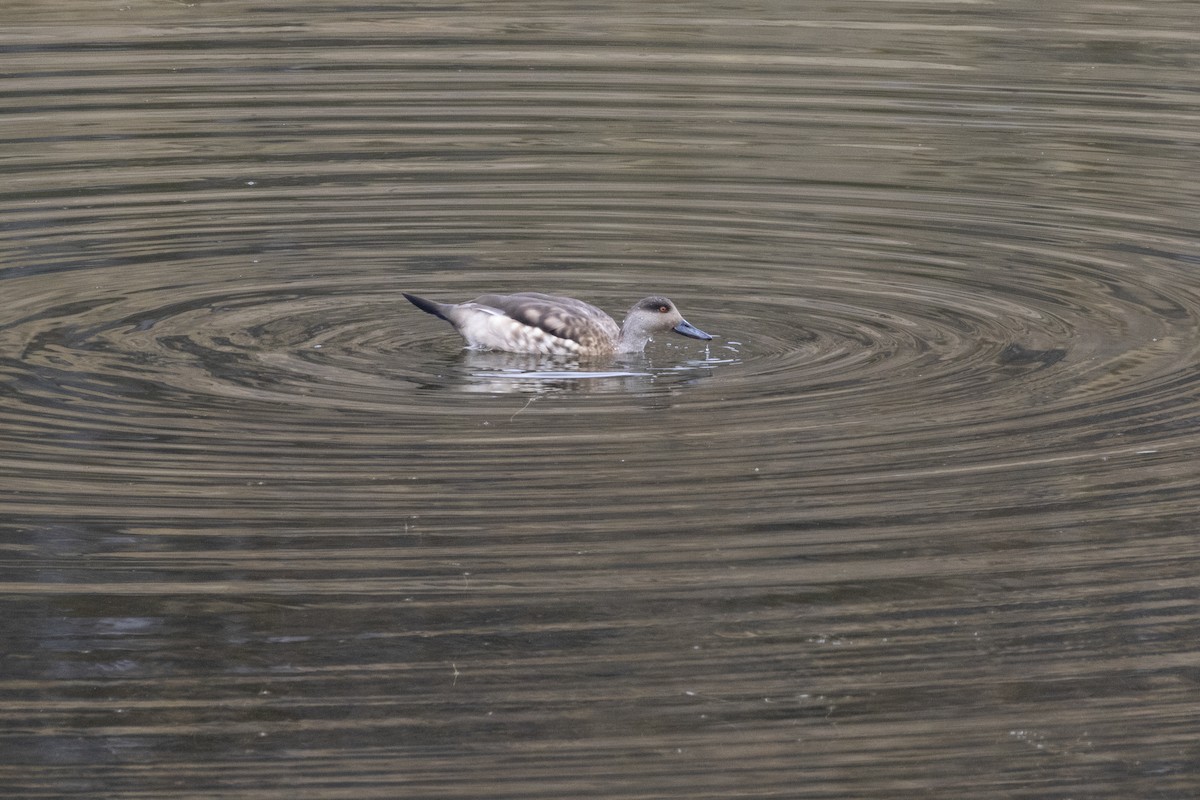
pixel 921 521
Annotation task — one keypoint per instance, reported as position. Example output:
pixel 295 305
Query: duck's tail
pixel 428 306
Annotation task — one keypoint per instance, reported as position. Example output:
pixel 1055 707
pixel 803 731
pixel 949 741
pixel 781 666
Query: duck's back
pixel 561 317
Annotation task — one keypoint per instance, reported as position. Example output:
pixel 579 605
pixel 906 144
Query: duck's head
pixel 657 314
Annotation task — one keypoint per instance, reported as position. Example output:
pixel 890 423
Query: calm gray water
pixel 920 522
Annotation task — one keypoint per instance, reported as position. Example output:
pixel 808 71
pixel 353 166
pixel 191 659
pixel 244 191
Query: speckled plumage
pixel 532 322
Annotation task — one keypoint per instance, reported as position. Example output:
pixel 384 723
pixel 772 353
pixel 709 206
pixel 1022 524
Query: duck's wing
pixel 564 317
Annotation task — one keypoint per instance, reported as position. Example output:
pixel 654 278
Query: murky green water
pixel 919 522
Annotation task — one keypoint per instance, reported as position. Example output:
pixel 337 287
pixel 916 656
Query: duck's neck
pixel 631 341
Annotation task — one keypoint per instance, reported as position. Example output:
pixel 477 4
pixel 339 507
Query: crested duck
pixel 531 322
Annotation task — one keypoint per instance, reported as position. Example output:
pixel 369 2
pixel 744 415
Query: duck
pixel 545 324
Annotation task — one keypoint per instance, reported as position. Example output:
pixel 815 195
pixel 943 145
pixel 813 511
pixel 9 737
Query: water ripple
pixel 922 508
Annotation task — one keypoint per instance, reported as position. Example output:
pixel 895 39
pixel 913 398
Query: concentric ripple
pixel 921 515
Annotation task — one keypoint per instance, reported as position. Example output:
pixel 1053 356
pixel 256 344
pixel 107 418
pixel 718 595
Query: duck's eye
pixel 663 309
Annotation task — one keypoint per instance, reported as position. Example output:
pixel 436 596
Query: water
pixel 919 522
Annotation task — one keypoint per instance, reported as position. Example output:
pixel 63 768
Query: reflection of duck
pixel 498 372
pixel 531 322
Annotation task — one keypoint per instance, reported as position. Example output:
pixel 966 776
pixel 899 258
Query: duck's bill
pixel 688 329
